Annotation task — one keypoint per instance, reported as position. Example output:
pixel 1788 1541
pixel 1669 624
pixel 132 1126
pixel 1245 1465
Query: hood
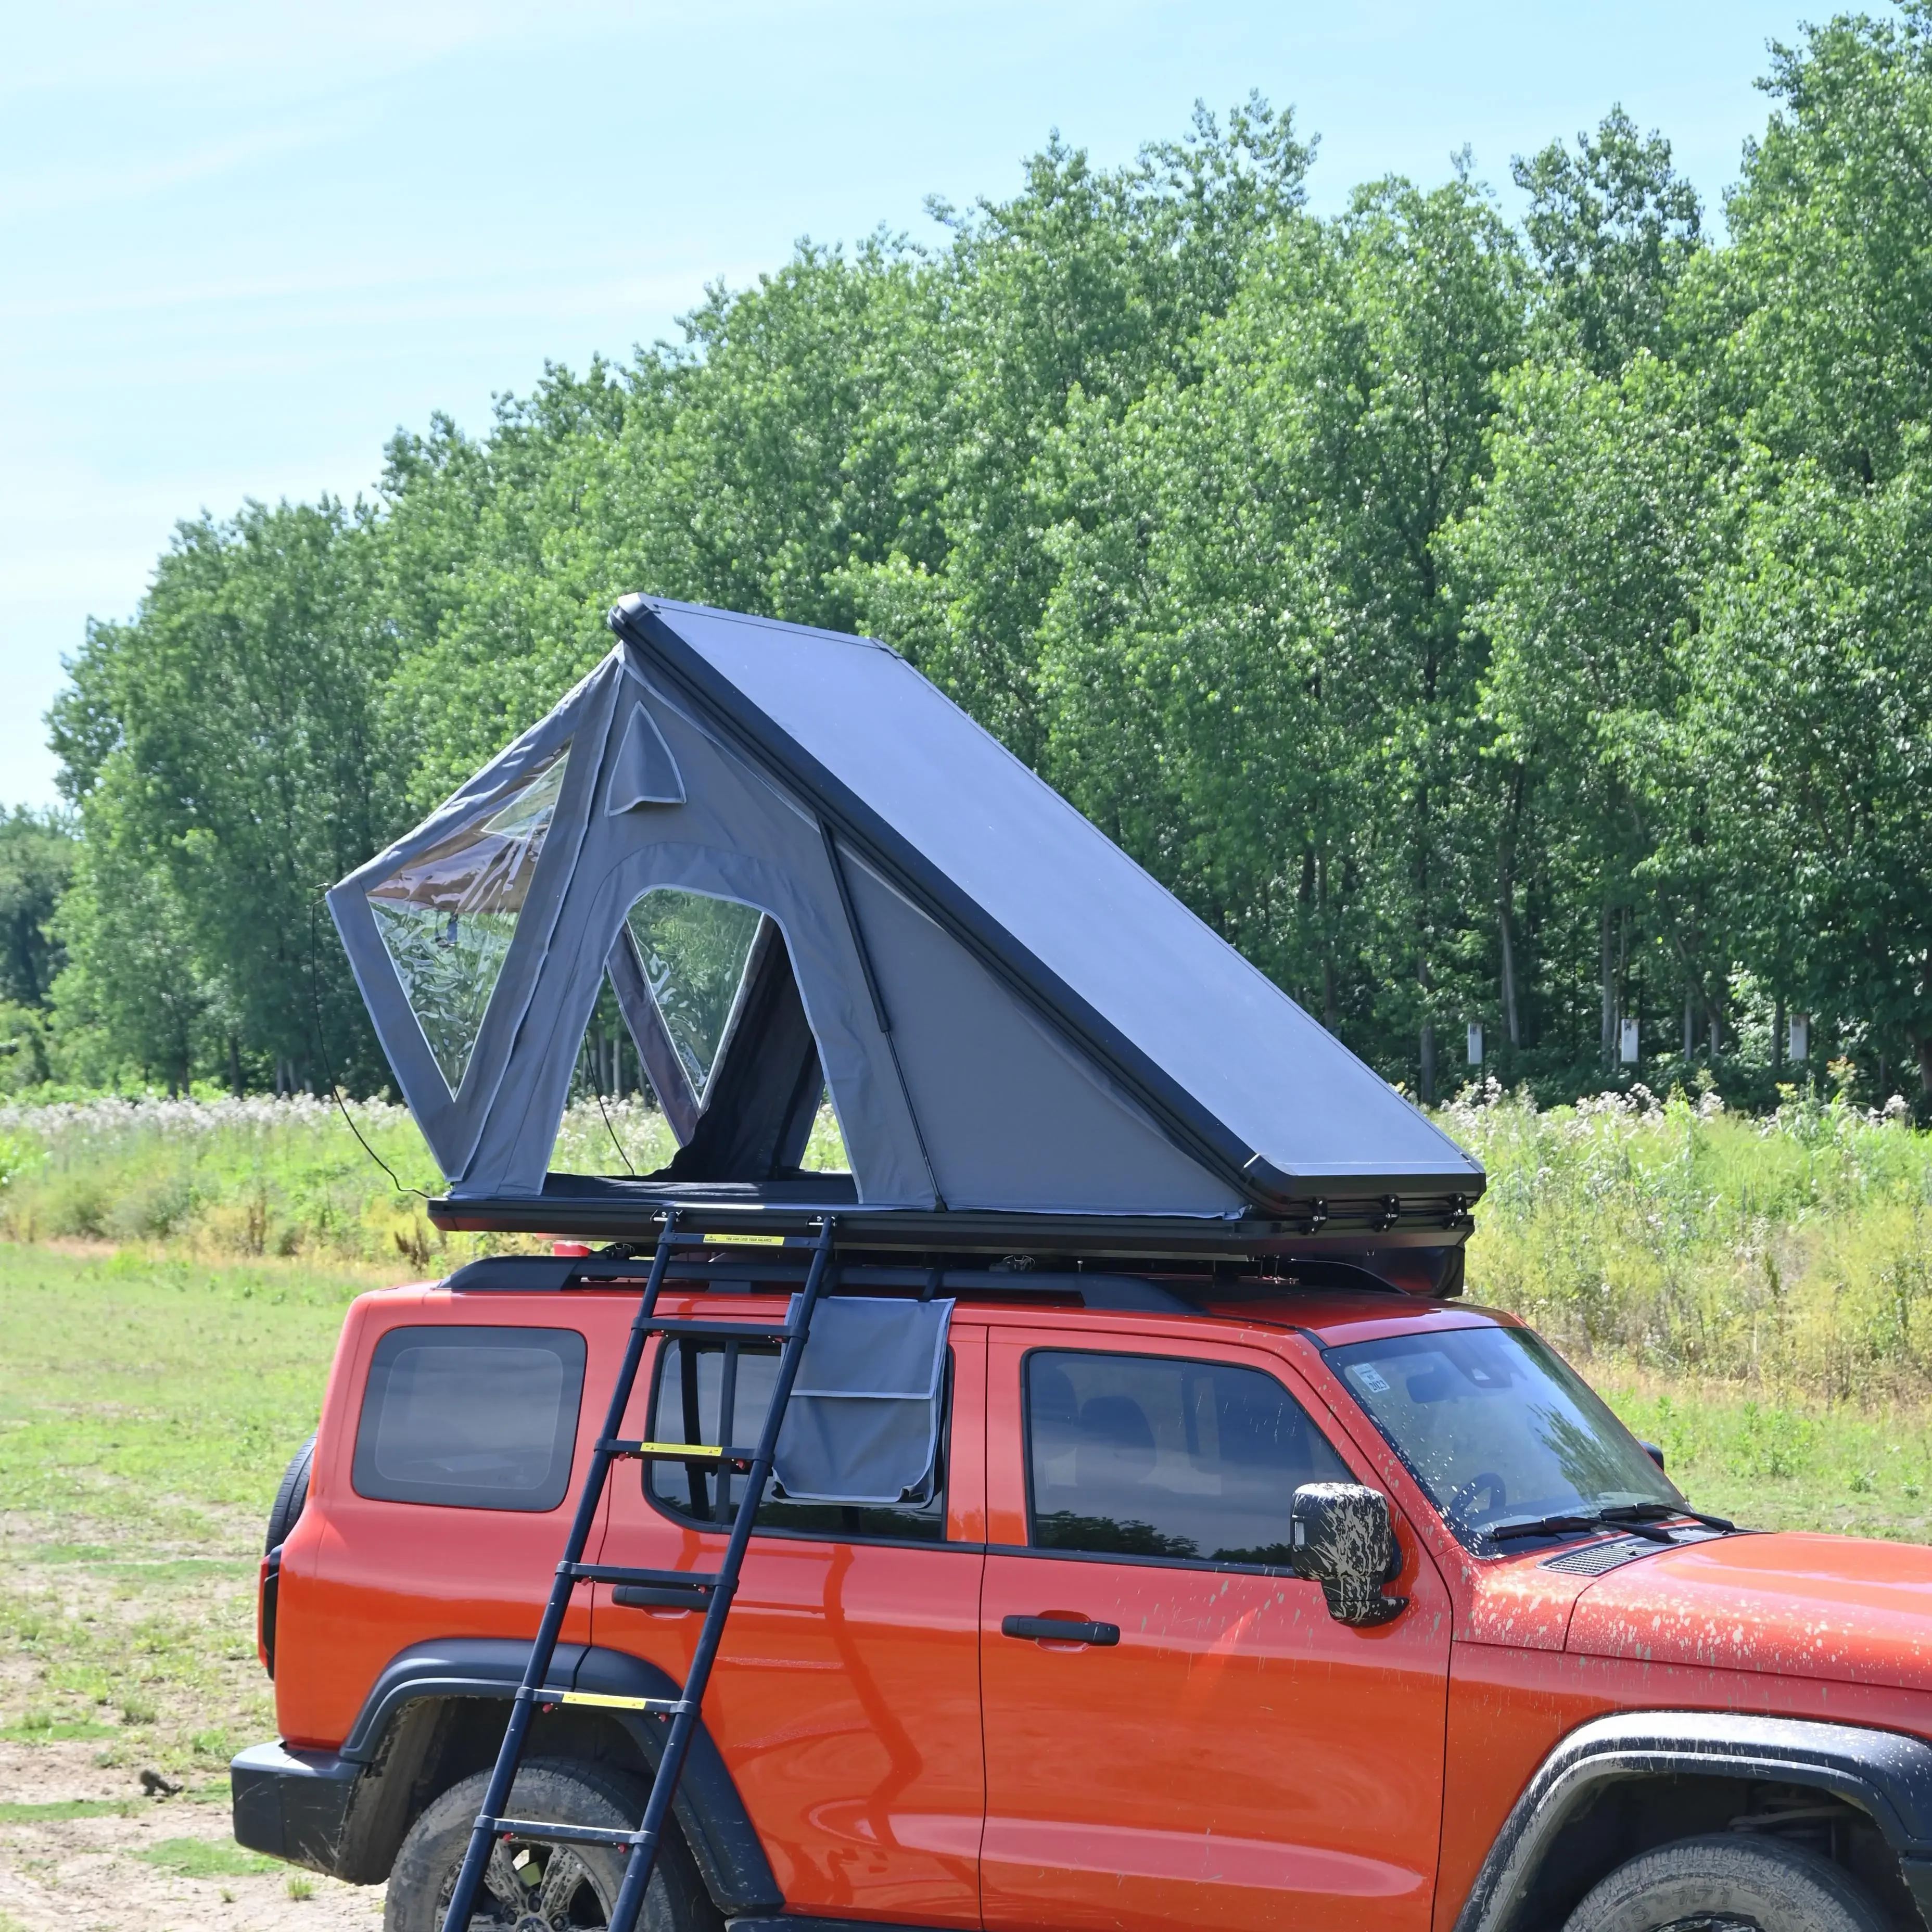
pixel 1791 1605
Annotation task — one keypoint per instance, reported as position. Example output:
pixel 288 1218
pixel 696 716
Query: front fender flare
pixel 1884 1773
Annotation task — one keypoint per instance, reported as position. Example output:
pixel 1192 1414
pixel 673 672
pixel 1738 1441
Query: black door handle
pixel 1060 1630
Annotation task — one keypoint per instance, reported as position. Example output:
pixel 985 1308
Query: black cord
pixel 596 1087
pixel 321 1050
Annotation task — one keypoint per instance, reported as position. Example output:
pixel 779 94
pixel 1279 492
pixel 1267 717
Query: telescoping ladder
pixel 713 1590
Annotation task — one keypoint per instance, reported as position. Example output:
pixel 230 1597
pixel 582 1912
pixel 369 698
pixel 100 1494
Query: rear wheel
pixel 541 1888
pixel 1728 1883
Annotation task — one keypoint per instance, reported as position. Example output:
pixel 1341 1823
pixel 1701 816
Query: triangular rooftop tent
pixel 802 867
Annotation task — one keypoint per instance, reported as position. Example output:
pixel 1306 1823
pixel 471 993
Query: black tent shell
pixel 1010 1018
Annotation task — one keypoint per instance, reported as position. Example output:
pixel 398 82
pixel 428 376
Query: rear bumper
pixel 292 1805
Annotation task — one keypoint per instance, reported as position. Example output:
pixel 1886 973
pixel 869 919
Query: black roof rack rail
pixel 744 1268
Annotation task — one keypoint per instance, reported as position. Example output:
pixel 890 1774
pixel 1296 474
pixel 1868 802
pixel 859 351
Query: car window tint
pixel 1151 1456
pixel 720 1392
pixel 483 1418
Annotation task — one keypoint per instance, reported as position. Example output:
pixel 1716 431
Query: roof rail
pixel 741 1269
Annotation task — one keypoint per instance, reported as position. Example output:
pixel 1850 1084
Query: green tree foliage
pixel 36 863
pixel 1813 712
pixel 1582 561
pixel 224 754
pixel 1473 623
pixel 37 854
pixel 1612 228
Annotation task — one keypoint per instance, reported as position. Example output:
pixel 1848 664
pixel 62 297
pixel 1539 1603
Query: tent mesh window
pixel 448 917
pixel 693 950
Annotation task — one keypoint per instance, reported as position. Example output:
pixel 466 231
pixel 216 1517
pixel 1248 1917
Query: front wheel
pixel 531 1887
pixel 1728 1883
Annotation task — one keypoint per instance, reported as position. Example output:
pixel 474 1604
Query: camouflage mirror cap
pixel 1342 1538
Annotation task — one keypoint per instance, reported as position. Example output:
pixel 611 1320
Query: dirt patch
pixel 162 1865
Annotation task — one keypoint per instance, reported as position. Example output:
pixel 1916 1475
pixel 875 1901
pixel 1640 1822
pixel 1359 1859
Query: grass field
pixel 147 1406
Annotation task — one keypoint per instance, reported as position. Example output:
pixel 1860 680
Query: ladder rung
pixel 619 1573
pixel 560 1834
pixel 680 1452
pixel 723 1331
pixel 671 1706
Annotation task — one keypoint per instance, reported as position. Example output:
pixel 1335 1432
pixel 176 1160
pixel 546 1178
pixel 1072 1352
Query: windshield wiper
pixel 1643 1520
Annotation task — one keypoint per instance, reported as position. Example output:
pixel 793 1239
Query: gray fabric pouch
pixel 863 1423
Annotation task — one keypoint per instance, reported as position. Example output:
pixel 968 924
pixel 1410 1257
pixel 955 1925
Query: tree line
pixel 1521 625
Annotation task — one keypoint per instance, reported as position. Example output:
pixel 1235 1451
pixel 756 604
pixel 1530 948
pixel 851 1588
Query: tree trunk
pixel 1511 1030
pixel 235 1065
pixel 1923 1041
pixel 1506 906
pixel 1330 1017
pixel 1689 1023
pixel 1778 1023
pixel 1428 1063
pixel 1608 971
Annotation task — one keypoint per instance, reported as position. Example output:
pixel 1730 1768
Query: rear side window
pixel 720 1392
pixel 483 1418
pixel 1154 1456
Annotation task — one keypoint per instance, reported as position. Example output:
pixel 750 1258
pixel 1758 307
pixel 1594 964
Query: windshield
pixel 1498 1428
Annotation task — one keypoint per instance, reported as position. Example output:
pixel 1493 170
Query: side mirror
pixel 1341 1538
pixel 1654 1450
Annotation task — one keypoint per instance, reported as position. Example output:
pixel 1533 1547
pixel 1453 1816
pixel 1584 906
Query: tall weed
pixel 262 1177
pixel 1787 1251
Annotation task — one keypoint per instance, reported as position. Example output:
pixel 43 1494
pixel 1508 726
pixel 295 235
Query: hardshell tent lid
pixel 804 870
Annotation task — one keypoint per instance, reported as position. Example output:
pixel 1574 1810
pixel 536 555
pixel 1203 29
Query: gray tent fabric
pixel 863 1423
pixel 1006 1013
pixel 646 772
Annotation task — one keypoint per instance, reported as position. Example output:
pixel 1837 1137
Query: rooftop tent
pixel 802 869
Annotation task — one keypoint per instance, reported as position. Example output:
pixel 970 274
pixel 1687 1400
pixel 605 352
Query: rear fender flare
pixel 716 1826
pixel 1886 1774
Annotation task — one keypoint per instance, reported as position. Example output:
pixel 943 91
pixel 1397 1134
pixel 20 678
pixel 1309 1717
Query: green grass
pixel 68 1807
pixel 38 1728
pixel 143 1396
pixel 148 1404
pixel 205 1858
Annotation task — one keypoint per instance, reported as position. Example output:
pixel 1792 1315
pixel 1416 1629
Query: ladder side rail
pixel 629 1905
pixel 476 1856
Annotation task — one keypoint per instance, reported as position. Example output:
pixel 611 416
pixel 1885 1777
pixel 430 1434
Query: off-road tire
pixel 1728 1883
pixel 292 1499
pixel 560 1792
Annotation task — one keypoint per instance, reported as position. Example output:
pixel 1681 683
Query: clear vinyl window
pixel 447 917
pixel 720 1392
pixel 1154 1456
pixel 482 1418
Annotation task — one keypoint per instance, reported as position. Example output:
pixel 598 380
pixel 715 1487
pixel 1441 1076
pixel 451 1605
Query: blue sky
pixel 243 243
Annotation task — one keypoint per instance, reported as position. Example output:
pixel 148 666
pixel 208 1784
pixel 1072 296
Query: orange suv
pixel 1103 1669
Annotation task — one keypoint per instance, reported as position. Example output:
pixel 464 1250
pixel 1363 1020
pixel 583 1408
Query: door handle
pixel 1060 1630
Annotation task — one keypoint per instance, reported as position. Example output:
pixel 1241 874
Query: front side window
pixel 482 1418
pixel 1498 1429
pixel 720 1392
pixel 1150 1455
